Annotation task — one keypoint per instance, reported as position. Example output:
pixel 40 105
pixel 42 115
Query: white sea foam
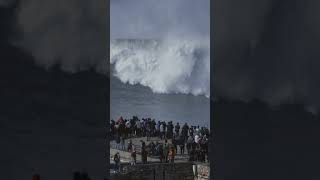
pixel 165 66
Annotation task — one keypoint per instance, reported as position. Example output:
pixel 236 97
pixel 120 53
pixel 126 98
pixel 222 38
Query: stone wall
pixel 163 171
pixel 156 171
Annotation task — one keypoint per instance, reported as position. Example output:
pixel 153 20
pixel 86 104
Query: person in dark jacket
pixel 118 141
pixel 184 131
pixel 181 148
pixel 161 155
pixel 177 129
pixel 144 156
pixel 130 145
pixel 133 156
pixel 116 160
pixel 190 141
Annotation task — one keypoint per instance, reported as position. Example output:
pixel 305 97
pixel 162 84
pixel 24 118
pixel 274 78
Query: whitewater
pixel 166 66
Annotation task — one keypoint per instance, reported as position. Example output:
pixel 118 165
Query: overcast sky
pixel 157 18
pixel 267 49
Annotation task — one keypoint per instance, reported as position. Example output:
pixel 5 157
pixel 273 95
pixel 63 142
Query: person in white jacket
pixel 196 138
pixel 162 131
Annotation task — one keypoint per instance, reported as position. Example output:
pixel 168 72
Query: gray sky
pixel 267 49
pixel 157 18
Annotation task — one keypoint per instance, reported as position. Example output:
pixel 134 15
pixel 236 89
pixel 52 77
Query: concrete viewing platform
pixel 163 171
pixel 181 169
pixel 125 156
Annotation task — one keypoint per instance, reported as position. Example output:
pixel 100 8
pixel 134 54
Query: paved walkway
pixel 126 157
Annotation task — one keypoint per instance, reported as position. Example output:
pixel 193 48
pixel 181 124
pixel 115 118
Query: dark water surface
pixel 128 100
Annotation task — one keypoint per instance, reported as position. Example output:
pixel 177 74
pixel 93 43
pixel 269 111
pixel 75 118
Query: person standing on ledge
pixel 133 156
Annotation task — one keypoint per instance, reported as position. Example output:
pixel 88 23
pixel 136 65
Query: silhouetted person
pixel 76 176
pixel 170 130
pixel 191 155
pixel 133 157
pixel 177 129
pixel 36 177
pixel 191 130
pixel 122 143
pixel 157 133
pixel 161 153
pixel 152 148
pixel 118 140
pixel 182 148
pixel 184 131
pixel 144 156
pixel 143 144
pixel 85 176
pixel 189 143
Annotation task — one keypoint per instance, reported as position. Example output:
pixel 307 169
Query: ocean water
pixel 167 79
pixel 128 100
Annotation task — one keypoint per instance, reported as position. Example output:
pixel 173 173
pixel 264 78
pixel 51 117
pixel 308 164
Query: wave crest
pixel 165 66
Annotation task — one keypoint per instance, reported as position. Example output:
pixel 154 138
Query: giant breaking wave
pixel 165 66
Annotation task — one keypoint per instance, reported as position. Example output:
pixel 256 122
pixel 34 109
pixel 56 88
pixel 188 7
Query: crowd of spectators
pixel 194 139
